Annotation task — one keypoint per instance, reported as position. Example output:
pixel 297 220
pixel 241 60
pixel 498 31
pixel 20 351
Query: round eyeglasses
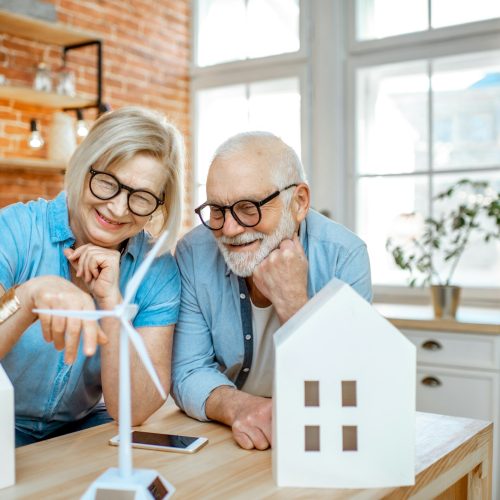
pixel 246 213
pixel 106 186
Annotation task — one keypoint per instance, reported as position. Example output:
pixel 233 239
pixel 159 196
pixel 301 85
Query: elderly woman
pixel 77 252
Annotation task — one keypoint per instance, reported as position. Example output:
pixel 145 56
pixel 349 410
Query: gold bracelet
pixel 9 304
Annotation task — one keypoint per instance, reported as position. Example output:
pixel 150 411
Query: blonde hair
pixel 119 136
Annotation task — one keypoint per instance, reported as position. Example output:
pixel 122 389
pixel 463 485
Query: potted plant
pixel 431 254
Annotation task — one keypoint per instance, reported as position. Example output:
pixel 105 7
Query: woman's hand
pixel 53 292
pixel 99 268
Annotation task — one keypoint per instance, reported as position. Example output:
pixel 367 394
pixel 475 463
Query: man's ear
pixel 301 202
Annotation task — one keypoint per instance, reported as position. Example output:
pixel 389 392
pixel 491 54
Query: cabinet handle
pixel 431 382
pixel 432 345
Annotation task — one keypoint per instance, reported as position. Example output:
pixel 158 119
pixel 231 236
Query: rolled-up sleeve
pixel 195 371
pixel 16 224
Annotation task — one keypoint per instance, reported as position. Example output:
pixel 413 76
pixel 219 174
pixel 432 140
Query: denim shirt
pixel 49 393
pixel 213 342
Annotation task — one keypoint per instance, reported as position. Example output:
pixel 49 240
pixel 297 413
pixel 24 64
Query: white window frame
pixel 326 63
pixel 436 43
pixel 248 71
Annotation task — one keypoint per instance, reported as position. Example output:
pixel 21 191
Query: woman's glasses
pixel 106 186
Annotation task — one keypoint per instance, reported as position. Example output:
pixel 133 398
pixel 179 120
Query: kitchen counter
pixel 417 317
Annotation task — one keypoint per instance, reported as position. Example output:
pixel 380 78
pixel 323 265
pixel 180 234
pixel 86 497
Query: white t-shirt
pixel 260 378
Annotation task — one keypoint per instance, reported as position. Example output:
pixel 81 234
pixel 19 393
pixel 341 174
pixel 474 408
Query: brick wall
pixel 146 50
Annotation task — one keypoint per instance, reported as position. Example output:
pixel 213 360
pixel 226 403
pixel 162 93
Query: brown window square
pixel 350 438
pixel 311 438
pixel 349 397
pixel 311 393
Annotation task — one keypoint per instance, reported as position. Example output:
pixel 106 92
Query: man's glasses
pixel 246 213
pixel 106 186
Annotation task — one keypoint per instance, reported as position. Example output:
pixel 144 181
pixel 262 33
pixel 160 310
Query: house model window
pixel 312 432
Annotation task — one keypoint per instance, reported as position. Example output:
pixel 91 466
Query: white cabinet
pixel 459 374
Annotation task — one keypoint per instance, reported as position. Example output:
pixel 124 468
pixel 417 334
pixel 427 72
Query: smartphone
pixel 164 442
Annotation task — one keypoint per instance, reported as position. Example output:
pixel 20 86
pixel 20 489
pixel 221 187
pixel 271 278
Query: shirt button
pixel 242 296
pixel 246 369
pixel 248 337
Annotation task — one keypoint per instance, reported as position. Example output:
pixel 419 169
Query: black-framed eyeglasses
pixel 106 186
pixel 246 213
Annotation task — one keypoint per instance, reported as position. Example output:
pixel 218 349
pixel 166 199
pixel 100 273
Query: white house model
pixel 7 433
pixel 344 396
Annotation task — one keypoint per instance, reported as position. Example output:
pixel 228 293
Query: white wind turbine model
pixel 126 482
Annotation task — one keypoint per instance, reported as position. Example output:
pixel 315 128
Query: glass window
pixel 450 12
pixel 380 201
pixel 479 266
pixel 382 18
pixel 232 30
pixel 393 119
pixel 385 18
pixel 272 105
pixel 399 171
pixel 466 111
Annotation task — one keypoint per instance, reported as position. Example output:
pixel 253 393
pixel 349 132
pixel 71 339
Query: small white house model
pixel 7 433
pixel 344 396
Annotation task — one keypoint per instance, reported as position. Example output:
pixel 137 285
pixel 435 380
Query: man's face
pixel 244 176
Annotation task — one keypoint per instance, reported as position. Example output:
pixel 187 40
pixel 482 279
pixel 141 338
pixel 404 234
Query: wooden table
pixel 453 456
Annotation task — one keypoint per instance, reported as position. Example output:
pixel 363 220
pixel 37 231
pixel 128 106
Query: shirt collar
pixel 60 230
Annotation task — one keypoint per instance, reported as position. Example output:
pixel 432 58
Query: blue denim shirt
pixel 213 342
pixel 48 392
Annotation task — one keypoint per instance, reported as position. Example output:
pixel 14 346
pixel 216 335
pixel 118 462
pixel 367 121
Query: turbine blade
pixel 75 314
pixel 140 347
pixel 136 279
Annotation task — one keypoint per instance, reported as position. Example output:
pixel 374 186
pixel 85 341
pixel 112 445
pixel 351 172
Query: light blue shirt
pixel 213 342
pixel 49 393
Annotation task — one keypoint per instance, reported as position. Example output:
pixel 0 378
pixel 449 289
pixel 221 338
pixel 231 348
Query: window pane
pixel 232 30
pixel 272 105
pixel 450 12
pixel 382 18
pixel 273 27
pixel 222 112
pixel 275 106
pixel 479 265
pixel 467 111
pixel 392 119
pixel 221 31
pixel 380 201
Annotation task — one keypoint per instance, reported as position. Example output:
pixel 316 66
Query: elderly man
pixel 259 256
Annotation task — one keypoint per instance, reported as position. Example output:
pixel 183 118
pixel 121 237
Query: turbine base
pixel 143 484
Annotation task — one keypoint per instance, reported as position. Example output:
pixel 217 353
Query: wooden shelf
pixel 38 164
pixel 45 99
pixel 42 31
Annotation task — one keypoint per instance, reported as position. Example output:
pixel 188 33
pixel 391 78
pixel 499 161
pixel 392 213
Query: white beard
pixel 243 263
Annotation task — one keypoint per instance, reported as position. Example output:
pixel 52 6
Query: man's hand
pixel 282 278
pixel 250 417
pixel 252 423
pixel 99 268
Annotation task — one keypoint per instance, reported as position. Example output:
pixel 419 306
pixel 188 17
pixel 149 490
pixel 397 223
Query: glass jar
pixel 66 82
pixel 43 79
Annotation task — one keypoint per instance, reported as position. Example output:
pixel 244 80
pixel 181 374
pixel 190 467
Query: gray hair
pixel 119 136
pixel 283 162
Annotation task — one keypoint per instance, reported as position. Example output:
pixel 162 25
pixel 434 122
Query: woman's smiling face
pixel 107 223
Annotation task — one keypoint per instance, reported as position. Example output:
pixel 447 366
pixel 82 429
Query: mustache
pixel 241 239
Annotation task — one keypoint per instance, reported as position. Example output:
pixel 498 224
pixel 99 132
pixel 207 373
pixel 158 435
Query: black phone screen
pixel 170 440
